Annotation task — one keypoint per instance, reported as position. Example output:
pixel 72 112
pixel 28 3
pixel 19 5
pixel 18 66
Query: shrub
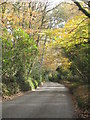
pixel 36 83
pixel 31 83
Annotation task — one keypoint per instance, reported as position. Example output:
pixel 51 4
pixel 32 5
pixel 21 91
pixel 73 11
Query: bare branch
pixel 77 26
pixel 81 8
pixel 53 8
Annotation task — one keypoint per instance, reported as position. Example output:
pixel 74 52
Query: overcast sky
pixel 54 2
pixel 58 1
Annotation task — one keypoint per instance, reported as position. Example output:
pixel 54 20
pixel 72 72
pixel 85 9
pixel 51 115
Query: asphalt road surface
pixel 52 100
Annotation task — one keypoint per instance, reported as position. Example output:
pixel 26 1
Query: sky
pixel 58 1
pixel 54 2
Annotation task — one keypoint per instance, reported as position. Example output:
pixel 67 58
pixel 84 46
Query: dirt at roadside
pixel 80 96
pixel 5 98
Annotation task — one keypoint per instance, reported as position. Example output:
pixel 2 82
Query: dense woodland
pixel 41 44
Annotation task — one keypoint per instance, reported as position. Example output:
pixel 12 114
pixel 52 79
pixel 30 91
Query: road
pixel 52 100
